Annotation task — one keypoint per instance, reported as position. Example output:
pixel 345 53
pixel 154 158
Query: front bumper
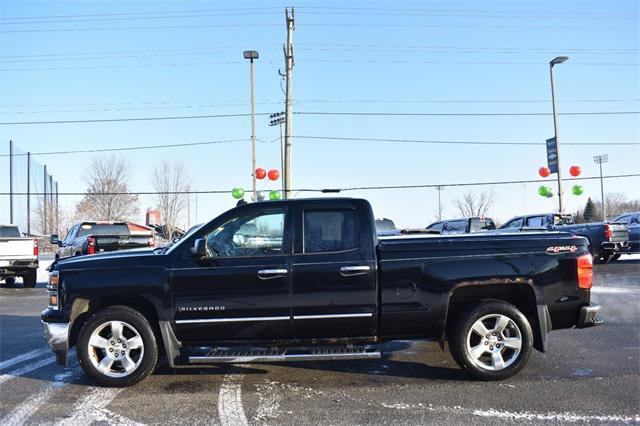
pixel 57 336
pixel 588 316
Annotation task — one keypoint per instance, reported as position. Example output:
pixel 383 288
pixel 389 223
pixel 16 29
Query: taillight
pixel 585 271
pixel 91 245
pixel 35 248
pixel 608 232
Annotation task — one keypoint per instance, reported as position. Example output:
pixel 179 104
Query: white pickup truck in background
pixel 18 257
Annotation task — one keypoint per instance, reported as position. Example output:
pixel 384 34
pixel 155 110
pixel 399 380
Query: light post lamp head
pixel 250 54
pixel 558 60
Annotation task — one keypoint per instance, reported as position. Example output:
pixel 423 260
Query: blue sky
pixel 147 59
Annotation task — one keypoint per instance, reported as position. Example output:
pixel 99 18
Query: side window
pixel 514 224
pixel 456 227
pixel 437 226
pixel 250 234
pixel 536 221
pixel 329 230
pixel 70 235
pixel 624 219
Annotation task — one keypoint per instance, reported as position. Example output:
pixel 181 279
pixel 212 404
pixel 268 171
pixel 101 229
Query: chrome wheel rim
pixel 116 349
pixel 494 342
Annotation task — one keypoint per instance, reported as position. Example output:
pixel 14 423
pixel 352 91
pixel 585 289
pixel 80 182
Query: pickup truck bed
pixel 319 285
pixel 18 257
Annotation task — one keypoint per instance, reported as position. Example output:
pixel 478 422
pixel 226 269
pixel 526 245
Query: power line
pixel 465 114
pixel 334 190
pixel 321 113
pixel 157 27
pixel 112 120
pixel 445 142
pixel 93 67
pixel 131 148
pixel 404 25
pixel 447 62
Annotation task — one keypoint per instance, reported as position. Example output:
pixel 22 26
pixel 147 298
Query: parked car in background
pixel 632 220
pixel 386 228
pixel 463 226
pixel 96 237
pixel 606 240
pixel 18 257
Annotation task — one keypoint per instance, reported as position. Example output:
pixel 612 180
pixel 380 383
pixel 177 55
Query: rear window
pixel 9 232
pixel 329 230
pixel 457 226
pixel 514 224
pixel 537 221
pixel 478 225
pixel 103 229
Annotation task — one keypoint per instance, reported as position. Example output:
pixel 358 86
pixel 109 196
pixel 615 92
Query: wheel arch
pixel 518 292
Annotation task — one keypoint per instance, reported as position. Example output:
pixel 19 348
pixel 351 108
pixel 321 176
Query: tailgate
pixel 16 249
pixel 119 242
pixel 619 233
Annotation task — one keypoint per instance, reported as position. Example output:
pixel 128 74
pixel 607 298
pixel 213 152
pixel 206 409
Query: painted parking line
pixel 92 408
pixel 26 369
pixel 230 409
pixel 614 290
pixel 23 357
pixel 531 416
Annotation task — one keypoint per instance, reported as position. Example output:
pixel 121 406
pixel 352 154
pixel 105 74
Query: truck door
pixel 334 273
pixel 241 289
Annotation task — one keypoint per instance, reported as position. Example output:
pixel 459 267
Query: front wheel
pixel 29 280
pixel 117 347
pixel 492 341
pixel 9 282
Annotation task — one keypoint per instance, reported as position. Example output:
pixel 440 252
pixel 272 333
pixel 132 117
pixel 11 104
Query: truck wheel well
pixel 140 304
pixel 519 295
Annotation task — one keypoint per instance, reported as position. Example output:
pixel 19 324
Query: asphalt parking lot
pixel 590 375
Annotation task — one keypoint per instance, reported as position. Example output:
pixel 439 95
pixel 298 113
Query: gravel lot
pixel 590 375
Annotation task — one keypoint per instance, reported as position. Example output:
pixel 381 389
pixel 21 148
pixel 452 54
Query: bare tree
pixel 59 224
pixel 107 195
pixel 171 181
pixel 472 205
pixel 617 203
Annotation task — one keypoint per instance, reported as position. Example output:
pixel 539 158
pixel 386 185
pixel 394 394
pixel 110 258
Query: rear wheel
pixel 492 341
pixel 9 282
pixel 615 257
pixel 30 280
pixel 117 347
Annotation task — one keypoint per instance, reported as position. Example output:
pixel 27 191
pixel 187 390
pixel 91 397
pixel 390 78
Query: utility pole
pixel 44 203
pixel 57 211
pixel 555 61
pixel 599 159
pixel 29 193
pixel 251 55
pixel 439 188
pixel 288 57
pixel 10 181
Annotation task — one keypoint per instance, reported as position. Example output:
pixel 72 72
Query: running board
pixel 250 355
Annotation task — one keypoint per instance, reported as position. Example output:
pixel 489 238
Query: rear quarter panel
pixel 418 276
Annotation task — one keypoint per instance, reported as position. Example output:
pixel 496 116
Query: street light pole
pixel 554 61
pixel 251 55
pixel 599 159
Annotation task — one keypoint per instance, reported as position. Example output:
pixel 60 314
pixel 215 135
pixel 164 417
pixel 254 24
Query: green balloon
pixel 274 195
pixel 543 191
pixel 237 193
pixel 577 190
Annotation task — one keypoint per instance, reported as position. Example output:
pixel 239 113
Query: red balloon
pixel 575 171
pixel 260 173
pixel 274 174
pixel 544 171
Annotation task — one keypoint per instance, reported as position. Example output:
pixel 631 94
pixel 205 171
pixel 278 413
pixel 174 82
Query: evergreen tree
pixel 589 210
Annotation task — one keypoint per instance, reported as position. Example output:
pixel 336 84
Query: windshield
pixel 9 232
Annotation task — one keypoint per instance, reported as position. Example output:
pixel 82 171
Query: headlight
pixel 52 287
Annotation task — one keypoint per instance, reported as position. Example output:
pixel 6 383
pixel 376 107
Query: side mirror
pixel 54 240
pixel 199 249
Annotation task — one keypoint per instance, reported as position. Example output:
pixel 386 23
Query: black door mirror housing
pixel 54 240
pixel 199 249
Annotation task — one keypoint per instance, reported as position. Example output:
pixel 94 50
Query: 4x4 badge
pixel 561 249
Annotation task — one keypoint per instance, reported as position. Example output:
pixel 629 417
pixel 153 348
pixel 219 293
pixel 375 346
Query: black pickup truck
pixel 96 237
pixel 307 279
pixel 606 240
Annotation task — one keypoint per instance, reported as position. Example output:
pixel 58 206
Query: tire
pixel 492 359
pixel 9 282
pixel 602 258
pixel 615 257
pixel 100 354
pixel 29 281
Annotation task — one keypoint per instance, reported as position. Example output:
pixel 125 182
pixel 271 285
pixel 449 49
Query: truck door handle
pixel 266 274
pixel 354 270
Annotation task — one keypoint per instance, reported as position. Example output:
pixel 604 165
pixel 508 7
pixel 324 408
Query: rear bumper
pixel 57 336
pixel 616 247
pixel 18 267
pixel 588 316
